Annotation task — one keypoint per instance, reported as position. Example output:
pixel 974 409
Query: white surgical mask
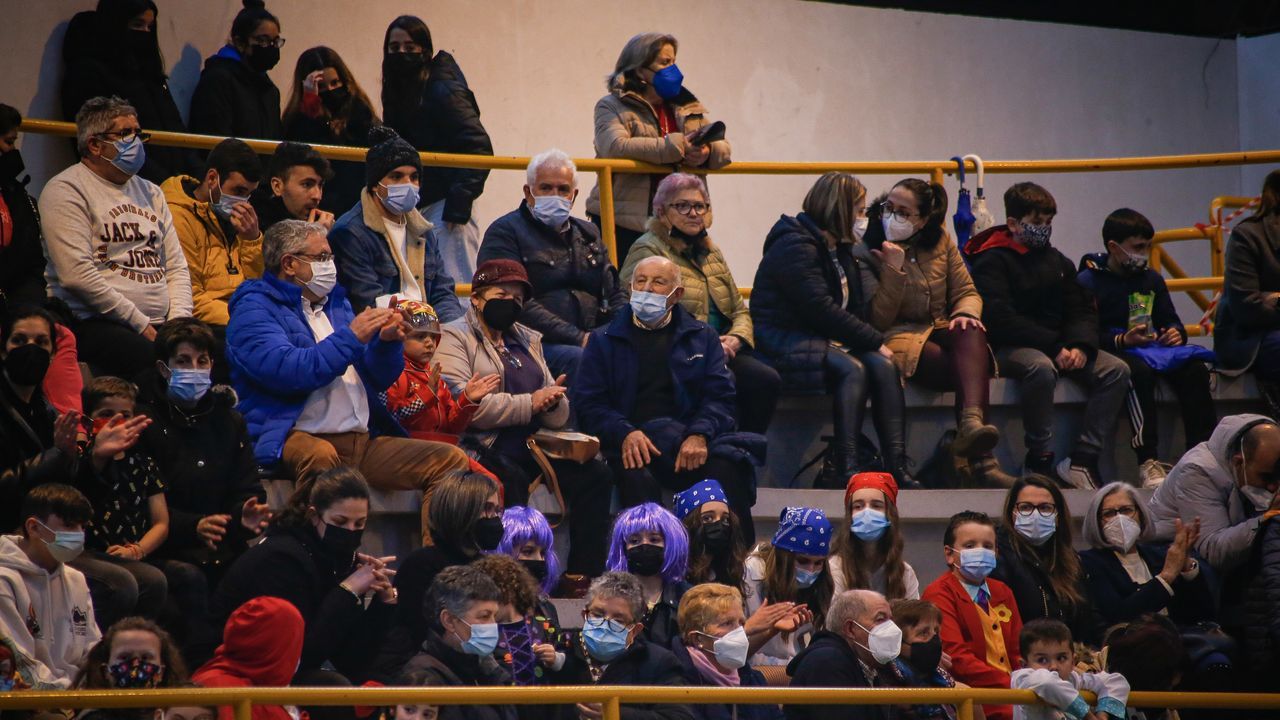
pixel 551 210
pixel 860 226
pixel 731 648
pixel 1260 497
pixel 896 230
pixel 884 641
pixel 324 276
pixel 1122 532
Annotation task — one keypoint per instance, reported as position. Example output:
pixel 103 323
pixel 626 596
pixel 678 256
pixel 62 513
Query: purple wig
pixel 524 524
pixel 651 517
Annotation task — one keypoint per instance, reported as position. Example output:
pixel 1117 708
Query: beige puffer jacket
pixel 627 127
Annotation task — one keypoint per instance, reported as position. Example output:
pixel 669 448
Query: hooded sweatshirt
pixel 1203 484
pixel 262 645
pixel 48 616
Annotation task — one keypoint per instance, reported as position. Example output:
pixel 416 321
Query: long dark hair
pixel 1061 560
pixel 114 17
pixel 858 559
pixel 319 58
pixel 701 563
pixel 92 673
pixel 931 203
pixel 400 96
pixel 780 582
pixel 1269 203
pixel 321 492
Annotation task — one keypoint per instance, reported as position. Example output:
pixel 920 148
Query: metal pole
pixel 965 710
pixel 244 710
pixel 612 709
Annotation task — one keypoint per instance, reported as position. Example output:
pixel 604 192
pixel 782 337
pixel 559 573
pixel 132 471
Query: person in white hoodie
pixel 1049 669
pixel 45 609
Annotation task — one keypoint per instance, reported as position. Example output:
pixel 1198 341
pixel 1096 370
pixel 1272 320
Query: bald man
pixel 1227 482
pixel 654 387
pixel 841 657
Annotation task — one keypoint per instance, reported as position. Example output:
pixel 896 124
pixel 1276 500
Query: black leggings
pixel 1190 385
pixel 853 379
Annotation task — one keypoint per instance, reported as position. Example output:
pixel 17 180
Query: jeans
pixel 851 379
pixel 458 243
pixel 113 349
pixel 658 480
pixel 120 588
pixel 562 359
pixel 1106 377
pixel 1190 385
pixel 756 388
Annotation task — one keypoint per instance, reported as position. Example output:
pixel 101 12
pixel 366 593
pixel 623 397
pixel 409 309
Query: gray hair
pixel 95 117
pixel 665 263
pixel 850 605
pixel 287 237
pixel 619 585
pixel 1092 526
pixel 553 159
pixel 456 589
pixel 639 52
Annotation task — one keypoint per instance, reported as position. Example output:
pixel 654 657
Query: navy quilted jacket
pixel 1262 601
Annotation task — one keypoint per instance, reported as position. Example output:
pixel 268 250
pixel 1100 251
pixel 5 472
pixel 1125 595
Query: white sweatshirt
pixel 1063 697
pixel 46 616
pixel 112 249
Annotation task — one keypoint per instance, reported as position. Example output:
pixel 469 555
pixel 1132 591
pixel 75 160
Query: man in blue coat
pixel 306 367
pixel 654 387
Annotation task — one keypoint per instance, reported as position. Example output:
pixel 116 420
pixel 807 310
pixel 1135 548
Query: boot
pixel 985 471
pixel 974 438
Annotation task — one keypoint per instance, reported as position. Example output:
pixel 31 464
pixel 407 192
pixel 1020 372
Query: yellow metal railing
pixel 610 697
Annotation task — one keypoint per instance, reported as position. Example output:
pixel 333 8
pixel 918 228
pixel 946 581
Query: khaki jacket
pixel 931 289
pixel 217 266
pixel 627 127
pixel 705 280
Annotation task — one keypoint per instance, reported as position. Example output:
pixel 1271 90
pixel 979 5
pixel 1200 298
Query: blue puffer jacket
pixel 795 304
pixel 604 392
pixel 276 362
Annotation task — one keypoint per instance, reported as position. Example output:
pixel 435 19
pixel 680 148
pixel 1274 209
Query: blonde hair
pixel 830 203
pixel 640 51
pixel 702 604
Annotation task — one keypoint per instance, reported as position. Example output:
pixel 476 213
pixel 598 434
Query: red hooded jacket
pixel 261 647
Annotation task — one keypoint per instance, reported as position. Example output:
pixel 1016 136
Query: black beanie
pixel 387 151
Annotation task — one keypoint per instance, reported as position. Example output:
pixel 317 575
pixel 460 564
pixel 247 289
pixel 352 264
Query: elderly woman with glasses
pixel 1127 577
pixel 678 232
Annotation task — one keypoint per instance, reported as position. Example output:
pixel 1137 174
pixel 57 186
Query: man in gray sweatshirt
pixel 113 253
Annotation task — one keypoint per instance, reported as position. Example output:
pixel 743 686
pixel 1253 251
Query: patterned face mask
pixel 1035 237
pixel 135 674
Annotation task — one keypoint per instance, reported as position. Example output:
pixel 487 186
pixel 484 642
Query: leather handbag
pixel 548 445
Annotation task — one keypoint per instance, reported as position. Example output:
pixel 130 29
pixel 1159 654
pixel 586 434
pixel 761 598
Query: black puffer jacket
pixel 575 287
pixel 795 304
pixel 234 100
pixel 446 120
pixel 27 455
pixel 1029 580
pixel 1262 603
pixel 642 663
pixel 22 258
pixel 1249 308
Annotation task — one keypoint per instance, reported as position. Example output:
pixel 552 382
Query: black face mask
pixel 694 239
pixel 488 532
pixel 334 100
pixel 341 543
pixel 925 656
pixel 500 313
pixel 263 59
pixel 403 65
pixel 717 538
pixel 11 165
pixel 645 560
pixel 27 364
pixel 536 568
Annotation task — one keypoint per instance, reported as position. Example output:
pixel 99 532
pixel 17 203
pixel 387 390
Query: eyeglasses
pixel 1045 509
pixel 322 257
pixel 127 135
pixel 610 623
pixel 688 208
pixel 264 41
pixel 900 213
pixel 1125 510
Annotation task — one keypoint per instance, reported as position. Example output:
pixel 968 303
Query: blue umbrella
pixel 963 219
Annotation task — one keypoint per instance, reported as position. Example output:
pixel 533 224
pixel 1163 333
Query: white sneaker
pixel 1153 472
pixel 1076 476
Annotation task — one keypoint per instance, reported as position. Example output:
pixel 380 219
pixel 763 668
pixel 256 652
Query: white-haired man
pixel 114 255
pixel 575 287
pixel 860 639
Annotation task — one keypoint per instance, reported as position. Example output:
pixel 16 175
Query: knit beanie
pixel 387 151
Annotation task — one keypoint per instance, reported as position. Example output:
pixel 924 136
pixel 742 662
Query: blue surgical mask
pixel 551 210
pixel 130 156
pixel 649 307
pixel 977 563
pixel 1036 528
pixel 483 640
pixel 226 202
pixel 869 524
pixel 66 544
pixel 668 81
pixel 806 578
pixel 401 198
pixel 603 642
pixel 187 386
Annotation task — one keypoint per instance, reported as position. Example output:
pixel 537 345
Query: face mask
pixel 646 560
pixel 925 656
pixel 483 640
pixel 1036 528
pixel 401 198
pixel 869 524
pixel 66 545
pixel 324 276
pixel 649 307
pixel 403 63
pixel 11 165
pixel 806 578
pixel 334 100
pixel 860 226
pixel 695 240
pixel 884 641
pixel 135 674
pixel 896 230
pixel 1035 237
pixel 27 364
pixel 500 313
pixel 130 156
pixel 731 649
pixel 668 81
pixel 1122 532
pixel 551 210
pixel 603 642
pixel 977 563
pixel 716 537
pixel 186 387
pixel 263 59
pixel 1260 497
pixel 488 532
pixel 536 568
pixel 341 543
pixel 226 202
pixel 1133 263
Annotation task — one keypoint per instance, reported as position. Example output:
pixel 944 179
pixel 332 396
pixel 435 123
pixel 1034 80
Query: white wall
pixel 792 80
pixel 1258 60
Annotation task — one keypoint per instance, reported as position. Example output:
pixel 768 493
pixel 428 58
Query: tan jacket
pixel 627 127
pixel 210 256
pixel 931 289
pixel 706 281
pixel 464 351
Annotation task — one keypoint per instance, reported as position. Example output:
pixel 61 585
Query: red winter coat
pixel 261 647
pixel 963 636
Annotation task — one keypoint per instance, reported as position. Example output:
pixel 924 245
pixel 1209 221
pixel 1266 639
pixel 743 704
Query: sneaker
pixel 1080 477
pixel 1153 472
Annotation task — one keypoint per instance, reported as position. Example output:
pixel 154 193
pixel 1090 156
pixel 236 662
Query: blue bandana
pixel 697 496
pixel 803 530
